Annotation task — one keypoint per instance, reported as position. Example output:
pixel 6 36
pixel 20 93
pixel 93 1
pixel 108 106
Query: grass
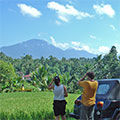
pixel 31 105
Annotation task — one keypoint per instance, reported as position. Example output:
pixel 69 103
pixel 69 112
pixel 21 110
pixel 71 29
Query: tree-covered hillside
pixel 70 70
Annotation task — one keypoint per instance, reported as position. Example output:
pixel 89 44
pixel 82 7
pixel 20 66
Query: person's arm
pixel 65 92
pixel 82 79
pixel 51 86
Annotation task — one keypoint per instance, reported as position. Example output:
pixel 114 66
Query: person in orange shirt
pixel 88 97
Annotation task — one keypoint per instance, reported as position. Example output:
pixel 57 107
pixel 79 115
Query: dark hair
pixel 57 80
pixel 91 75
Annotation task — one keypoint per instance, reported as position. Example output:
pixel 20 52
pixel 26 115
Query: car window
pixel 103 88
pixel 115 93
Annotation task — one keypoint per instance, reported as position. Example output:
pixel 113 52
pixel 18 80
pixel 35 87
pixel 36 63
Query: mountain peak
pixel 38 48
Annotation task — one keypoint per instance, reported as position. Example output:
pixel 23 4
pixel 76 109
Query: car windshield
pixel 103 88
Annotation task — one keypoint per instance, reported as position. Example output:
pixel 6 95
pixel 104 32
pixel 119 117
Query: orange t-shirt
pixel 89 92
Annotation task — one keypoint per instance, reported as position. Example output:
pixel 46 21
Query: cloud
pixel 59 45
pixel 64 12
pixel 79 46
pixel 113 27
pixel 71 1
pixel 100 50
pixel 86 48
pixel 29 10
pixel 117 47
pixel 41 34
pixel 104 9
pixel 76 44
pixel 58 22
pixel 103 49
pixel 92 36
pixel 63 18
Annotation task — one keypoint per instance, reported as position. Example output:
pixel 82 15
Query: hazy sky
pixel 92 25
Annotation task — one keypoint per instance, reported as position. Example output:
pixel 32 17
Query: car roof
pixel 110 80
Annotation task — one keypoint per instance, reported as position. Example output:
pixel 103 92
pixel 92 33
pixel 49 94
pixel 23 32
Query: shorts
pixel 59 107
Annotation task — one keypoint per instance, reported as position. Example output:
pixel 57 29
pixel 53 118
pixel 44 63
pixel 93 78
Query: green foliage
pixel 108 66
pixel 40 78
pixel 7 76
pixel 3 57
pixel 31 106
pixel 34 105
pixel 70 70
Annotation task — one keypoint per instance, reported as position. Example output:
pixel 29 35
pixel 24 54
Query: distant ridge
pixel 38 48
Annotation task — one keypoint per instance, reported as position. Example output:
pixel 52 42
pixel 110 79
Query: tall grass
pixel 31 106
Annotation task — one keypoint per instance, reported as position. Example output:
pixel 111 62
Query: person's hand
pixel 51 82
pixel 86 74
pixel 53 79
pixel 83 78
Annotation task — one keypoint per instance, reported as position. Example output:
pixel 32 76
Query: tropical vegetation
pixel 42 70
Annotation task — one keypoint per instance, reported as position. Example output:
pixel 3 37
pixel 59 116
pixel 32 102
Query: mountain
pixel 38 48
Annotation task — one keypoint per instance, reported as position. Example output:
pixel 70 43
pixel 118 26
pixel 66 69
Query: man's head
pixel 57 80
pixel 91 75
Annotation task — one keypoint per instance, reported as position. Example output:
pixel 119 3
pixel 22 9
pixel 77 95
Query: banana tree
pixel 40 78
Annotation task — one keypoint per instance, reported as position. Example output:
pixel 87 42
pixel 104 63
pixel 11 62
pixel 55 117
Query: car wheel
pixel 118 116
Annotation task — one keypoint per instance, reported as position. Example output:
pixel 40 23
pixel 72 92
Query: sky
pixel 91 25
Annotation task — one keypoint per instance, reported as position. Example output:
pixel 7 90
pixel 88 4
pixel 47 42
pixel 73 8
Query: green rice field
pixel 31 106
